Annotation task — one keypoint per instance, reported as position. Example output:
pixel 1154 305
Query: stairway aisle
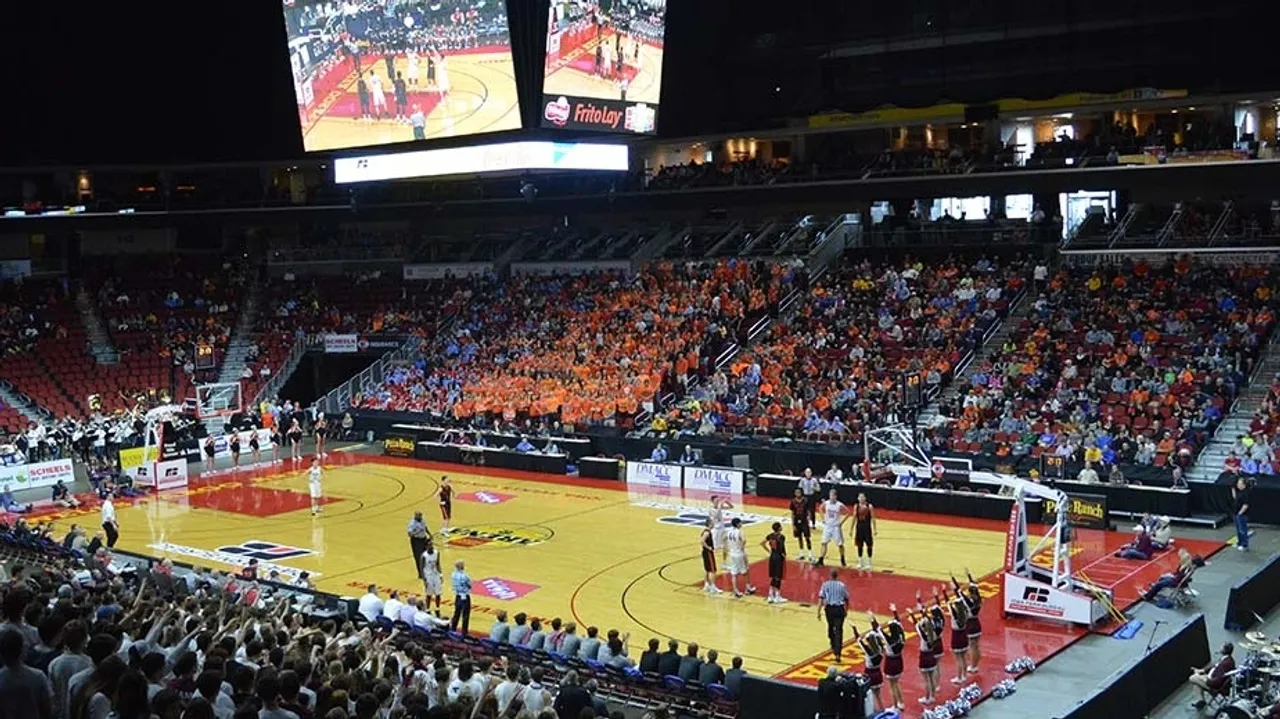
pixel 1209 465
pixel 11 398
pixel 242 337
pixel 100 344
pixel 1020 311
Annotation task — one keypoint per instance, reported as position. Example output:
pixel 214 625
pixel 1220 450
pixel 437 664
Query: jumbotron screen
pixel 604 65
pixel 375 72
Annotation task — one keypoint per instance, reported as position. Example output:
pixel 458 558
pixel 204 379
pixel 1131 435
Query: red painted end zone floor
pixel 1004 639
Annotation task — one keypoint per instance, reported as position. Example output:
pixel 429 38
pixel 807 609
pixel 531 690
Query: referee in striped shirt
pixel 833 600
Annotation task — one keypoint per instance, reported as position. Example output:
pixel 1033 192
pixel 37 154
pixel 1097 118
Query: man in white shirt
pixel 391 610
pixel 109 524
pixel 835 474
pixel 371 604
pixel 1088 475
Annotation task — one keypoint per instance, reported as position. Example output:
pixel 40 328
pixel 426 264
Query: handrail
pixel 281 375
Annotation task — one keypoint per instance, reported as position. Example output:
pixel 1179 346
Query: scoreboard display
pixel 603 66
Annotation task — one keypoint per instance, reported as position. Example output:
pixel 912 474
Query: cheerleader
pixel 895 640
pixel 320 428
pixel 929 642
pixel 275 444
pixel 939 619
pixel 295 440
pixel 973 602
pixel 959 610
pixel 209 452
pixel 234 443
pixel 253 446
pixel 872 644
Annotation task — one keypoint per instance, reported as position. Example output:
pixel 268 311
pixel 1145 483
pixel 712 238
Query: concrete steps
pixel 1210 462
pixel 1020 311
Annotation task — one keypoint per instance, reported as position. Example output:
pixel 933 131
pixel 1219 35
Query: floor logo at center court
pixel 485 496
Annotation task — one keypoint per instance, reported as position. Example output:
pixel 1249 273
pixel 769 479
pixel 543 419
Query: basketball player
pixel 776 544
pixel 445 492
pixel 959 635
pixel 719 506
pixel 411 72
pixel 895 640
pixel 864 530
pixel 737 564
pixel 320 429
pixel 442 76
pixel 314 477
pixel 362 92
pixel 401 91
pixel 800 527
pixel 834 515
pixel 378 96
pixel 973 602
pixel 295 439
pixel 872 644
pixel 707 544
pixel 432 576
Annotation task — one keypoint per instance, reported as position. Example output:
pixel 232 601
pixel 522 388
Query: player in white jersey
pixel 834 515
pixel 314 476
pixel 737 564
pixel 719 506
pixel 411 73
pixel 378 96
pixel 432 576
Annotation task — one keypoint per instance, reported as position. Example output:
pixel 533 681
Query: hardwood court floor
pixel 588 551
pixel 573 76
pixel 483 99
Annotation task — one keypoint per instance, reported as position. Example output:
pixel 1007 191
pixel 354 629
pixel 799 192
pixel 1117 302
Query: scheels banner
pixel 581 113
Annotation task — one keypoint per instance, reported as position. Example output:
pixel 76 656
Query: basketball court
pixel 482 98
pixel 598 554
pixel 573 74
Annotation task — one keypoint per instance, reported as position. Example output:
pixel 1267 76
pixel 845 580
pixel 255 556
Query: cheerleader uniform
pixel 895 641
pixel 929 645
pixel 874 658
pixel 235 445
pixel 939 622
pixel 959 627
pixel 253 442
pixel 973 627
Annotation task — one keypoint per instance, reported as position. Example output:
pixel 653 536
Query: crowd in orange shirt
pixel 1132 364
pixel 588 349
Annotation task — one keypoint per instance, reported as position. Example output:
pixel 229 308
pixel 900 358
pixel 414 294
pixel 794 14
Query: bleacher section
pixel 1132 366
